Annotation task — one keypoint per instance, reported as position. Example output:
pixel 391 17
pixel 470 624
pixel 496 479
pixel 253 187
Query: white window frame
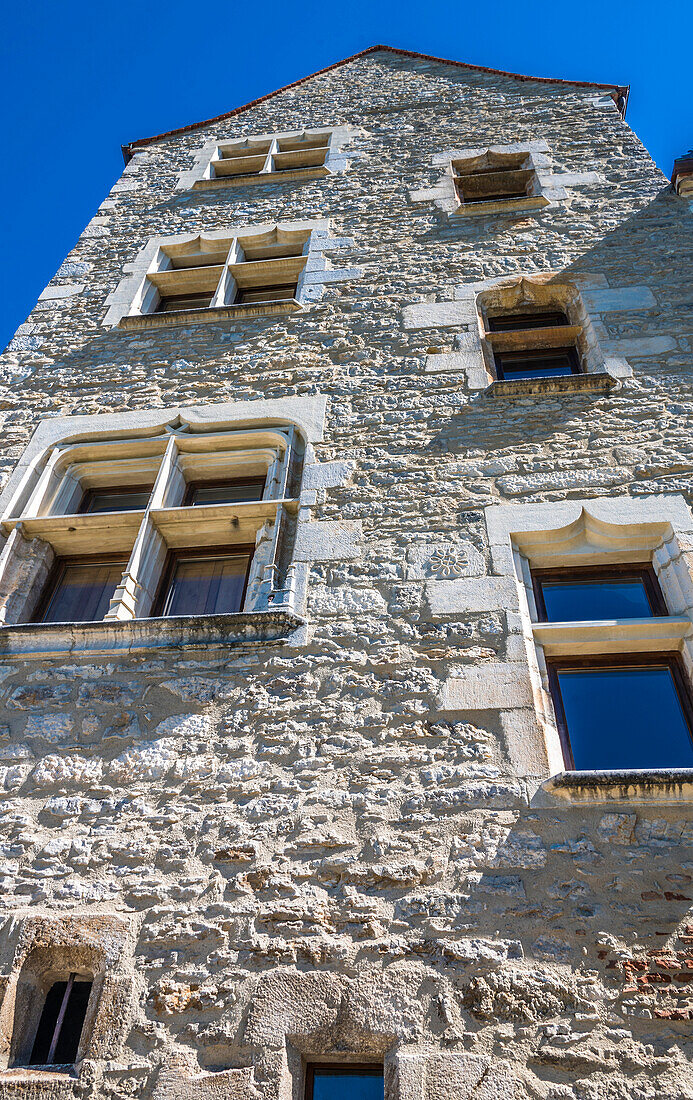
pixel 202 176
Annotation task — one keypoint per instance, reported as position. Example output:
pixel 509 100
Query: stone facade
pixel 344 839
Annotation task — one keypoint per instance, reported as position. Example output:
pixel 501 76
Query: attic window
pixel 204 274
pixel 494 178
pixel 299 152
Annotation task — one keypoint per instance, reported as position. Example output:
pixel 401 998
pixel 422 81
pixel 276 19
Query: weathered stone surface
pixel 279 841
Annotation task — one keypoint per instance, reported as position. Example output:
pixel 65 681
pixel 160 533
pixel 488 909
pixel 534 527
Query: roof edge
pixel 618 92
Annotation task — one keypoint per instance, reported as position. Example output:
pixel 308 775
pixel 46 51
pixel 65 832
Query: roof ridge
pixel 619 92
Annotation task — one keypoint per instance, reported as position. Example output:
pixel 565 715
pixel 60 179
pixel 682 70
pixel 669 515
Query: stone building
pixel 346 602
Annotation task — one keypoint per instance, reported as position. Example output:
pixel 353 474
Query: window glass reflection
pixel 233 491
pixel 82 591
pixel 629 717
pixel 207 585
pixel 115 500
pixel 334 1084
pixel 579 601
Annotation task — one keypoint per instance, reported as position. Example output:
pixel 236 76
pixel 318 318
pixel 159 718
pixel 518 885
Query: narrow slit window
pixel 199 583
pixel 344 1082
pixel 630 711
pixel 80 590
pixel 510 322
pixel 597 593
pixel 61 1023
pixel 172 303
pixel 280 292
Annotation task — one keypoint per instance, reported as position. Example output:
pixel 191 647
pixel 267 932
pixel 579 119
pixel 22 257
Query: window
pixel 298 153
pixel 115 500
pixel 79 590
pixel 625 709
pixel 626 712
pixel 344 1082
pixel 533 345
pixel 206 526
pixel 61 1022
pixel 292 156
pixel 224 492
pixel 202 274
pixel 212 583
pixel 494 178
pixel 599 592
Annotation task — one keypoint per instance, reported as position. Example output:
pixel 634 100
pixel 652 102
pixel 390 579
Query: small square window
pixel 630 711
pixel 344 1082
pixel 597 593
pixel 229 491
pixel 542 363
pixel 196 582
pixel 80 590
pixel 492 178
pixel 280 292
pixel 61 1023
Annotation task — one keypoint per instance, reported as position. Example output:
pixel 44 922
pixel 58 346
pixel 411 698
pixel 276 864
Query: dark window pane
pixel 227 493
pixel 70 1030
pixel 598 599
pixel 83 592
pixel 279 293
pixel 174 302
pixel 508 322
pixel 361 1085
pixel 625 718
pixel 207 585
pixel 536 364
pixel 115 500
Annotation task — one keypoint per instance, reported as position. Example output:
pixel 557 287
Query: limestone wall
pixel 300 849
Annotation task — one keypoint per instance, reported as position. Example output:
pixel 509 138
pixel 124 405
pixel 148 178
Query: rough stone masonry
pixel 346 843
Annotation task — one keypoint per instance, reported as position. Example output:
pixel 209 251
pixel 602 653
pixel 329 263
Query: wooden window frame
pixel 535 353
pixel 84 508
pixel 192 486
pixel 672 660
pixel 576 574
pixel 57 572
pixel 174 556
pixel 341 1069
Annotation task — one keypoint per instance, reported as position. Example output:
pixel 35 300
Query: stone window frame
pixel 472 348
pixel 64 459
pixel 602 531
pixel 130 304
pixel 201 175
pixel 46 947
pixel 548 187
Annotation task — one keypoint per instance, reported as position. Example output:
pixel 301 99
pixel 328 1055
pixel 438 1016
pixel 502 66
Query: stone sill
pixel 596 382
pixel 659 785
pixel 207 316
pixel 31 1081
pixel 661 633
pixel 268 177
pixel 510 206
pixel 43 640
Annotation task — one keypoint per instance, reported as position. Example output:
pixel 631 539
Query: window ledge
pixel 663 633
pixel 266 177
pixel 41 640
pixel 206 316
pixel 55 1082
pixel 594 382
pixel 506 206
pixel 630 785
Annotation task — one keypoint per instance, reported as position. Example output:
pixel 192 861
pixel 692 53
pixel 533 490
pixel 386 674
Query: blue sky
pixel 80 78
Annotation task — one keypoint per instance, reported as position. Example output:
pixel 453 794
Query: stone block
pixel 329 540
pixel 471 596
pixel 439 315
pixel 491 686
pixel 620 298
